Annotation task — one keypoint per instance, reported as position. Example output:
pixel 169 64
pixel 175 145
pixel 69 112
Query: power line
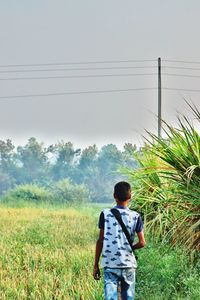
pixel 96 62
pixel 182 61
pixel 181 68
pixel 76 93
pixel 96 92
pixel 76 69
pixel 78 76
pixel 97 76
pixel 77 63
pixel 181 75
pixel 179 89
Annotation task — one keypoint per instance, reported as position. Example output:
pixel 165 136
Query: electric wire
pixel 77 93
pixel 76 69
pixel 181 75
pixel 180 89
pixel 98 76
pixel 77 76
pixel 181 68
pixel 181 61
pixel 77 63
pixel 96 92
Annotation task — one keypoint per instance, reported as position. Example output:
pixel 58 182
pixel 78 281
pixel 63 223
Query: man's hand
pixel 96 273
pixel 141 242
pixel 99 246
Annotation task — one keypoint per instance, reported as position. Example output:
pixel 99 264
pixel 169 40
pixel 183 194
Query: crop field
pixel 47 253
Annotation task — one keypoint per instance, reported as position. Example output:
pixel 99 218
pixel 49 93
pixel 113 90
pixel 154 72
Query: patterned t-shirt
pixel 116 252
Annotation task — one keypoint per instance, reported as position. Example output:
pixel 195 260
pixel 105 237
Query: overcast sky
pixel 63 31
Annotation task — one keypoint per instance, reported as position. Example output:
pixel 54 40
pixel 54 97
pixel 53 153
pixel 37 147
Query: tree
pixel 128 155
pixel 7 166
pixel 109 160
pixel 65 159
pixel 88 156
pixel 33 162
pixel 6 154
pixel 110 157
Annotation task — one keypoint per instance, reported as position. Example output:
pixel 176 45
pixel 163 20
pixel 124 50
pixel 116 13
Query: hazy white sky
pixel 39 32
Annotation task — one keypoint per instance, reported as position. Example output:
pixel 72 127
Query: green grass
pixel 48 253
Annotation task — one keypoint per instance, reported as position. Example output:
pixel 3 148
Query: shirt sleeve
pixel 139 224
pixel 101 221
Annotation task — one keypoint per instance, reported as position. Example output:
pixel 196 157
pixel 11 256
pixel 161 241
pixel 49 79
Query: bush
pixel 65 191
pixel 28 192
pixel 167 185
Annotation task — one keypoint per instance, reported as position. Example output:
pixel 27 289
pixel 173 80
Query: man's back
pixel 116 252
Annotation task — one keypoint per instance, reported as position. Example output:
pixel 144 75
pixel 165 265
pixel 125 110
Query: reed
pixel 166 186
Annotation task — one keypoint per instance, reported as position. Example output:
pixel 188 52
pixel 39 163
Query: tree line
pixel 34 163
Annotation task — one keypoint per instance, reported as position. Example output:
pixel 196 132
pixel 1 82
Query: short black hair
pixel 122 191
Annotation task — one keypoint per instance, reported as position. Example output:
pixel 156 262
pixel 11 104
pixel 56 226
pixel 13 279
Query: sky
pixel 63 31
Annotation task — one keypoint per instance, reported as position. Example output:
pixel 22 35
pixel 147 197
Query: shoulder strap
pixel 117 215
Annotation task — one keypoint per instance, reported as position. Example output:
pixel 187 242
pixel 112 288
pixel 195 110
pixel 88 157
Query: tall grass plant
pixel 166 186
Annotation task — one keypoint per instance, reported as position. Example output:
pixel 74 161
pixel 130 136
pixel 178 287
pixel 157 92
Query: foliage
pixel 109 160
pixel 29 193
pixel 48 254
pixel 34 163
pixel 128 155
pixel 166 274
pixel 65 158
pixel 7 167
pixel 64 191
pixel 6 153
pixel 167 185
pixel 88 157
pixel 6 182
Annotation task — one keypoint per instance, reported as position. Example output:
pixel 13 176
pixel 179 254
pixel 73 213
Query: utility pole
pixel 159 98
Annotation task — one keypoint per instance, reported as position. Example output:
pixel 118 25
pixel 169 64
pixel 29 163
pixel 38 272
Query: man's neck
pixel 122 204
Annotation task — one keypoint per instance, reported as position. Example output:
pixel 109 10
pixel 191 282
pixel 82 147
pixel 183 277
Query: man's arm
pixel 99 246
pixel 141 243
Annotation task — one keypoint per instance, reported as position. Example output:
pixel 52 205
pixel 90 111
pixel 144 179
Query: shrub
pixel 65 191
pixel 167 185
pixel 28 192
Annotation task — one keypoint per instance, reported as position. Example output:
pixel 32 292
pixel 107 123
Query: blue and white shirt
pixel 116 252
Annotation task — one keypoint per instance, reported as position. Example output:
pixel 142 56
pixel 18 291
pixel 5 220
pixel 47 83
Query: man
pixel 118 260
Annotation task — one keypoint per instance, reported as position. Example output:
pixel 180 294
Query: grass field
pixel 47 253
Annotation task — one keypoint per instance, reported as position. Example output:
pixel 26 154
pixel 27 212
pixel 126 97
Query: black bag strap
pixel 117 215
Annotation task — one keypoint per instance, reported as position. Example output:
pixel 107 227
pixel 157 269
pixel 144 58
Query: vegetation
pixel 64 191
pixel 167 185
pixel 29 193
pixel 34 163
pixel 61 192
pixel 47 253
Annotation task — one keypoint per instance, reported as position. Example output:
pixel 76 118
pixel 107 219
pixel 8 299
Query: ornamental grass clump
pixel 166 185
